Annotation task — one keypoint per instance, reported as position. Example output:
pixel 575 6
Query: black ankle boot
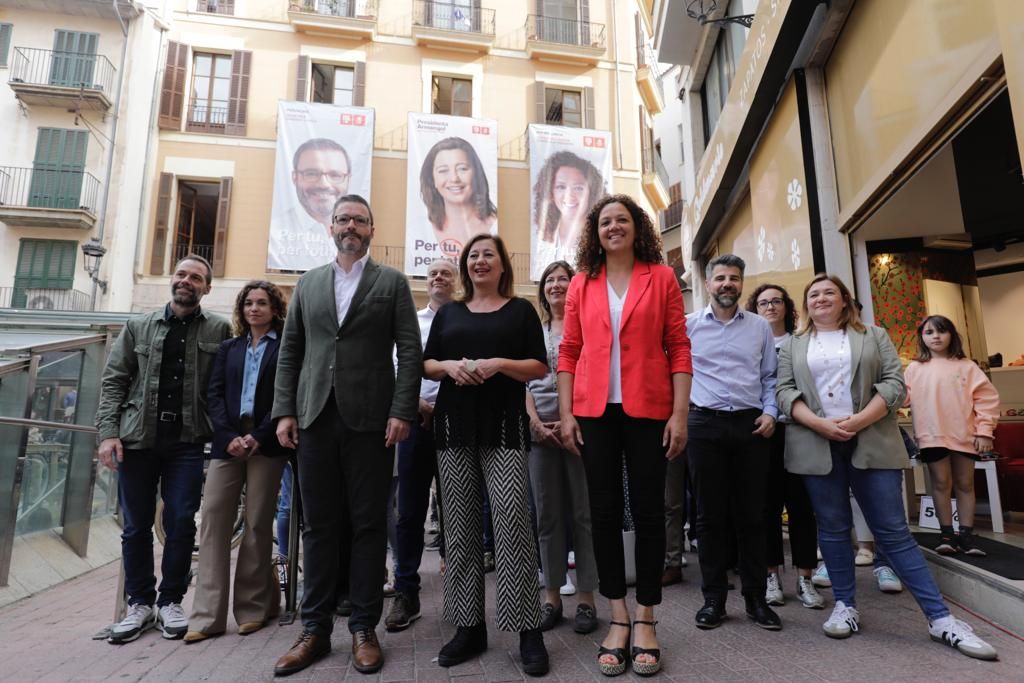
pixel 533 652
pixel 469 641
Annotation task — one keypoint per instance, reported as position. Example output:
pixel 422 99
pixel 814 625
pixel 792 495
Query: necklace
pixel 833 364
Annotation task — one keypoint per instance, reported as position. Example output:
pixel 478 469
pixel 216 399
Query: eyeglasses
pixel 313 175
pixel 765 303
pixel 361 221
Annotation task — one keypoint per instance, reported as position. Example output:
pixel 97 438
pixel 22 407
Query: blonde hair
pixel 850 317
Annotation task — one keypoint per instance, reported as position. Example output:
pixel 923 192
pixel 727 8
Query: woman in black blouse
pixel 483 349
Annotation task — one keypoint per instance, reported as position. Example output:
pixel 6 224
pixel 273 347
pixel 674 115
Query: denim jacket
pixel 131 379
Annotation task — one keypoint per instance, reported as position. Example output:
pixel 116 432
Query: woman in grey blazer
pixel 840 383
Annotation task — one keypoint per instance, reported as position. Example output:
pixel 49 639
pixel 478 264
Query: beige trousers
pixel 257 595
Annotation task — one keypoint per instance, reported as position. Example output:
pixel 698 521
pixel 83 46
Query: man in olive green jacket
pixel 340 401
pixel 153 424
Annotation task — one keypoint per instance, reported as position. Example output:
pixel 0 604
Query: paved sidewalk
pixel 47 638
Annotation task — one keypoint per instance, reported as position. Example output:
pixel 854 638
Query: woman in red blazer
pixel 624 376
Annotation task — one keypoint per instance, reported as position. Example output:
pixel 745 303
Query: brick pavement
pixel 46 637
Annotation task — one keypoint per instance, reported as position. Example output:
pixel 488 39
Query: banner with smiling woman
pixel 452 186
pixel 570 169
pixel 324 151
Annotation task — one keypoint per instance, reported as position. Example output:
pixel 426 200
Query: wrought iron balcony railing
pixel 205 118
pixel 216 6
pixel 350 9
pixel 35 66
pixel 451 17
pixel 45 188
pixel 183 250
pixel 48 298
pixel 565 31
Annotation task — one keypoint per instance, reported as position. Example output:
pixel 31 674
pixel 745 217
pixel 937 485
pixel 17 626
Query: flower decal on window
pixel 794 254
pixel 794 194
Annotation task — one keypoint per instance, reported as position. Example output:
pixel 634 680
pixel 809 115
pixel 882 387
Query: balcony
pixel 647 75
pixel 62 79
pixel 564 40
pixel 654 178
pixel 445 25
pixel 48 198
pixel 204 118
pixel 226 7
pixel 672 216
pixel 356 19
pixel 45 299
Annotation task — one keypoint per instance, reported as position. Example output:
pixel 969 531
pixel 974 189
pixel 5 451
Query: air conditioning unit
pixel 957 242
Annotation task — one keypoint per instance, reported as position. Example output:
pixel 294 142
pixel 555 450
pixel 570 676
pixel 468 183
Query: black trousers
pixel 728 464
pixel 606 438
pixel 787 490
pixel 342 473
pixel 417 468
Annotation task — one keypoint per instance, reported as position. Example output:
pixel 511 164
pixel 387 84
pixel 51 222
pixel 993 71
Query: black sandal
pixel 619 653
pixel 646 668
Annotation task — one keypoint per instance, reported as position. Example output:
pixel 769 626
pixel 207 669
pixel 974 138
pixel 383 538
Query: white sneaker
pixel 808 594
pixel 682 560
pixel 843 622
pixel 568 588
pixel 888 582
pixel 137 620
pixel 773 593
pixel 172 621
pixel 960 636
pixel 820 578
pixel 864 557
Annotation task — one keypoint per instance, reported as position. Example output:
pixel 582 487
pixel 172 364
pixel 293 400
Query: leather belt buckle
pixel 168 416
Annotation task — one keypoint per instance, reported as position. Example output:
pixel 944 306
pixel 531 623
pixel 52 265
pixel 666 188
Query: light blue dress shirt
pixel 734 362
pixel 251 374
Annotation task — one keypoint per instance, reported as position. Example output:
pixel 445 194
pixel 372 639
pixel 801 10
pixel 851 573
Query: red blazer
pixel 652 340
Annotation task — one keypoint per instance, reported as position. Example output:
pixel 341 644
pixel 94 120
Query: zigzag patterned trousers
pixel 461 471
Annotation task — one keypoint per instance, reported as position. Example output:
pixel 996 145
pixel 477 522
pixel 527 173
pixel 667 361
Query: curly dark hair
pixel 790 318
pixel 542 299
pixel 480 189
pixel 646 245
pixel 278 305
pixel 545 214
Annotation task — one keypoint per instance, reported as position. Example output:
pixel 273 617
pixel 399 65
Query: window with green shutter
pixel 74 58
pixel 5 42
pixel 58 169
pixel 43 264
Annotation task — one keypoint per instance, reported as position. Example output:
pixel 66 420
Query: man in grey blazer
pixel 340 401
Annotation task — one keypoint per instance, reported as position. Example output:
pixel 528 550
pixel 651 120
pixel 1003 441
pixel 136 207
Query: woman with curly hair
pixel 246 453
pixel 565 189
pixel 455 190
pixel 624 373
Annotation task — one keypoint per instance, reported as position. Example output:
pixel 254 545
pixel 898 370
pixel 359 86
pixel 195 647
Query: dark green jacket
pixel 355 358
pixel 131 380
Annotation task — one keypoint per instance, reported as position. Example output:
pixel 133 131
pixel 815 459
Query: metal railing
pixel 48 299
pixel 45 188
pixel 216 6
pixel 204 118
pixel 349 9
pixel 36 66
pixel 450 17
pixel 660 170
pixel 395 257
pixel 645 56
pixel 183 250
pixel 673 215
pixel 564 31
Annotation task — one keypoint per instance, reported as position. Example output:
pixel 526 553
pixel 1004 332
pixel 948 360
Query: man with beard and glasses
pixel 342 403
pixel 301 239
pixel 153 425
pixel 732 417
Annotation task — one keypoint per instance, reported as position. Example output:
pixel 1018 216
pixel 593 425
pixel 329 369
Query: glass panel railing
pixel 43 478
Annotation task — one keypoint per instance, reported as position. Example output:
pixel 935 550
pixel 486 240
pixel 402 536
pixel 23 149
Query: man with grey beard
pixel 732 416
pixel 339 400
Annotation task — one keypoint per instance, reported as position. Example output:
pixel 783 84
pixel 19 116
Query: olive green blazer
pixel 354 359
pixel 876 370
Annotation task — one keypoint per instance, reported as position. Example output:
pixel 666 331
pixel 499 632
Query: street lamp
pixel 94 252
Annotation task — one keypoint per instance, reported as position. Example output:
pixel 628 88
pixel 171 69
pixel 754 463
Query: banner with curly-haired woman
pixel 452 186
pixel 570 169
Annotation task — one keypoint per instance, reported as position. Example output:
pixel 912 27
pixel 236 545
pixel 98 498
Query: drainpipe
pixel 618 103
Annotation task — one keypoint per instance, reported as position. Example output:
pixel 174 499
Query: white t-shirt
pixel 829 360
pixel 615 306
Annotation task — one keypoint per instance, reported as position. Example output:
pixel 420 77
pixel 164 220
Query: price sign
pixel 928 518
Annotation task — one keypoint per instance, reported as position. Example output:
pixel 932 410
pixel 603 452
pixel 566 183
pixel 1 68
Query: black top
pixel 492 414
pixel 170 398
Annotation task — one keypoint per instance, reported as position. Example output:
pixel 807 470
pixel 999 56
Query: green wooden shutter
pixel 5 42
pixel 74 58
pixel 58 168
pixel 43 264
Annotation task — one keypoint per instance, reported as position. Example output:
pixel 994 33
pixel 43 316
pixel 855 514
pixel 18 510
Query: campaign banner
pixel 452 186
pixel 570 169
pixel 324 151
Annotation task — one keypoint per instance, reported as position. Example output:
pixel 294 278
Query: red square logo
pixel 346 119
pixel 588 141
pixel 359 119
pixel 481 130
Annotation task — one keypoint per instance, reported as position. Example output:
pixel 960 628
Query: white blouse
pixel 615 306
pixel 829 360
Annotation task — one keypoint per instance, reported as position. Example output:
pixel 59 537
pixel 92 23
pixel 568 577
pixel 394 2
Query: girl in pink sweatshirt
pixel 954 407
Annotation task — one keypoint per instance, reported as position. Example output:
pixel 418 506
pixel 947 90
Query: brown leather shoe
pixel 308 648
pixel 367 657
pixel 672 576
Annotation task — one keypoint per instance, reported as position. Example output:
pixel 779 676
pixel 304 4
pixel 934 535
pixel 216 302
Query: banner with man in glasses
pixel 324 151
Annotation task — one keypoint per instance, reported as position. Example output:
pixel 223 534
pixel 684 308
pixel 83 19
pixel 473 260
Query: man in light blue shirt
pixel 251 372
pixel 732 416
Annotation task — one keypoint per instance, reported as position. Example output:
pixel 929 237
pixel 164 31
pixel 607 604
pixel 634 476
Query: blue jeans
pixel 880 498
pixel 284 510
pixel 177 469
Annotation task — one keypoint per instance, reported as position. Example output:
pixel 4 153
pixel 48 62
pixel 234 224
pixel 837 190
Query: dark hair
pixel 200 260
pixel 352 199
pixel 505 284
pixel 481 193
pixel 942 324
pixel 319 144
pixel 277 304
pixel 727 260
pixel 850 316
pixel 541 298
pixel 546 215
pixel 790 318
pixel 646 245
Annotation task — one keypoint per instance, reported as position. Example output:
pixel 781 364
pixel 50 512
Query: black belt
pixel 743 412
pixel 167 416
